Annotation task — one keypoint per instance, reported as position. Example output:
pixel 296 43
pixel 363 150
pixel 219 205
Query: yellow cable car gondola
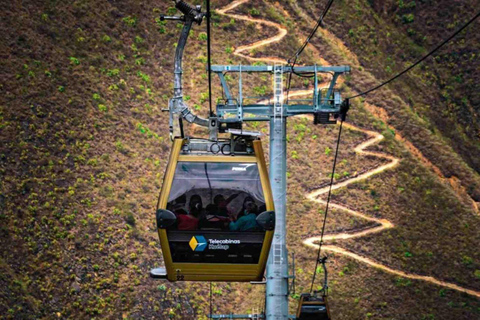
pixel 313 307
pixel 215 214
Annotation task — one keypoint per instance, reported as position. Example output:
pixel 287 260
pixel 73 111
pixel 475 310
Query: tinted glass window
pixel 216 196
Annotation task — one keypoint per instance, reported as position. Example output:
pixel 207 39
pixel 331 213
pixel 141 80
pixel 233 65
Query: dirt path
pixel 384 224
pixel 282 32
pixel 375 138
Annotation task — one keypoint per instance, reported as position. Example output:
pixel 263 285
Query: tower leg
pixel 277 266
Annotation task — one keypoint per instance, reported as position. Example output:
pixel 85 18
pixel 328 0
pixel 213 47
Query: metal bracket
pixel 326 108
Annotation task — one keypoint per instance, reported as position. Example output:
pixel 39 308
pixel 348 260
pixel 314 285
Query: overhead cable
pixel 314 30
pixel 304 45
pixel 327 205
pixel 209 59
pixel 418 61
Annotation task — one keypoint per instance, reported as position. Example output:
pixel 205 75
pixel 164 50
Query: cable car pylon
pixel 190 253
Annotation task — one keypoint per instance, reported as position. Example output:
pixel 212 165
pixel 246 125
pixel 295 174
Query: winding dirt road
pixel 315 196
pixel 282 32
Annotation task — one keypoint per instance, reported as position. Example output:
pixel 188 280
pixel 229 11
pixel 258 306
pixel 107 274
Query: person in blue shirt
pixel 248 220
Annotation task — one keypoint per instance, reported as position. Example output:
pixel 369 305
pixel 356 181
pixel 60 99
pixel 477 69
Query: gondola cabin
pixel 215 214
pixel 312 307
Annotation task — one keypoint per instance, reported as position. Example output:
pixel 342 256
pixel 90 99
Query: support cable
pixel 314 30
pixel 418 61
pixel 209 59
pixel 304 45
pixel 327 205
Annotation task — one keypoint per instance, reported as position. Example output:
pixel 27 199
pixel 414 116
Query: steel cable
pixel 418 61
pixel 209 59
pixel 304 45
pixel 327 205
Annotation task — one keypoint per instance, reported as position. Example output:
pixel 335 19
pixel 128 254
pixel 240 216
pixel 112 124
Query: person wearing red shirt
pixel 187 221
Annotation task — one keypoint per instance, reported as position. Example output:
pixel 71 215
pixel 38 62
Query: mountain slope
pixel 84 145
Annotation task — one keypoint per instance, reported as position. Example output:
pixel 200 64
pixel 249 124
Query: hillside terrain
pixel 84 144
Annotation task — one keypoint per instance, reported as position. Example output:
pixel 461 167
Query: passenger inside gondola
pixel 232 193
pixel 189 220
pixel 246 219
pixel 212 220
pixel 222 204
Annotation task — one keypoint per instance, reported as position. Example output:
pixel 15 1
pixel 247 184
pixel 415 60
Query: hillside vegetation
pixel 84 144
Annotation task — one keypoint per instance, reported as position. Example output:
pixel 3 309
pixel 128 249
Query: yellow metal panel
pixel 167 255
pixel 162 204
pixel 220 268
pixel 262 261
pixel 328 307
pixel 299 307
pixel 217 272
pixel 218 278
pixel 169 173
pixel 198 158
pixel 267 193
pixel 262 169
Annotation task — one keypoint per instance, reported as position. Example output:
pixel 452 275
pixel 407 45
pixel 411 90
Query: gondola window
pixel 216 196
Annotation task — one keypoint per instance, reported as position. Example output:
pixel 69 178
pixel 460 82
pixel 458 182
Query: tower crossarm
pixel 322 102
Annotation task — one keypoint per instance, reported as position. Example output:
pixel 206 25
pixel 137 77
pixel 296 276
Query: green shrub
pixel 161 25
pixel 254 12
pixel 130 219
pixel 466 260
pixel 408 18
pixel 130 21
pixel 203 97
pixel 202 59
pixel 260 90
pixel 402 282
pixel 477 274
pixel 74 61
pixel 113 72
pixel 143 76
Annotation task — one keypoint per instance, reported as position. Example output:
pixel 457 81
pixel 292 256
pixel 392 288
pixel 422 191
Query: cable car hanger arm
pixel 177 107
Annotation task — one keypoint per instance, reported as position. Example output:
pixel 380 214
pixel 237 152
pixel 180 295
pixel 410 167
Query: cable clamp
pixel 344 107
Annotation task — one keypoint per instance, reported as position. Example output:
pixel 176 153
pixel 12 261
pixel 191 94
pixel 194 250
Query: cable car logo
pixel 198 243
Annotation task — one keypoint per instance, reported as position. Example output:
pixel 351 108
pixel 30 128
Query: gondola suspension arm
pixel 177 106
